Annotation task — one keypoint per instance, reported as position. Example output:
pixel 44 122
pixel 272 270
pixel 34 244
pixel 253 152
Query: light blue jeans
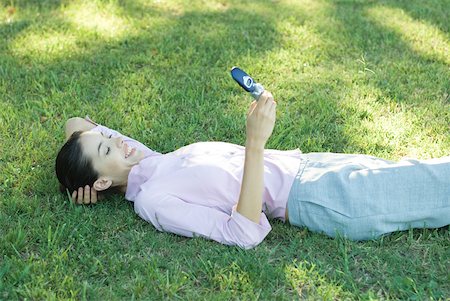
pixel 361 197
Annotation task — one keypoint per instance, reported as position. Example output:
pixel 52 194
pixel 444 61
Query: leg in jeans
pixel 362 197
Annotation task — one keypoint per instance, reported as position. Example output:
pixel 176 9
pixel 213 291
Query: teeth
pixel 128 152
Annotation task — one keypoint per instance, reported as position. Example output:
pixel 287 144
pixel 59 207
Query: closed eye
pixel 108 148
pixel 105 136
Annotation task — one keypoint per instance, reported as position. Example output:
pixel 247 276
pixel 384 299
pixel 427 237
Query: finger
pixel 74 196
pixel 265 103
pixel 100 196
pixel 93 196
pixel 80 195
pixel 87 194
pixel 273 108
pixel 269 97
pixel 261 103
pixel 262 97
pixel 252 106
pixel 268 104
pixel 265 96
pixel 274 102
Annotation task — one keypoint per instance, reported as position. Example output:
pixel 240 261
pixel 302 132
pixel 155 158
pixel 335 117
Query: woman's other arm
pixel 86 195
pixel 77 124
pixel 260 124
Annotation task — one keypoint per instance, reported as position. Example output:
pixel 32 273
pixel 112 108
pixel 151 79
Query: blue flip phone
pixel 246 82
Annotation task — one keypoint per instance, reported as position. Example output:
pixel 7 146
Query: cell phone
pixel 246 82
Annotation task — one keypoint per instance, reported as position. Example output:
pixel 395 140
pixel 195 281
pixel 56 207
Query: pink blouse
pixel 194 190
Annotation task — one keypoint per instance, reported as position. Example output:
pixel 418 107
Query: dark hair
pixel 72 167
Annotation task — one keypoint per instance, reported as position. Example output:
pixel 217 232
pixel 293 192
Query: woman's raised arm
pixel 260 124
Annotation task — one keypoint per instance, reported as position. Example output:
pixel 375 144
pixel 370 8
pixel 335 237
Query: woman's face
pixel 110 157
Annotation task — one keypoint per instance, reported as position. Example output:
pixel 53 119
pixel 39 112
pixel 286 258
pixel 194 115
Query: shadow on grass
pixel 156 69
pixel 399 64
pixel 364 56
pixel 398 73
pixel 193 39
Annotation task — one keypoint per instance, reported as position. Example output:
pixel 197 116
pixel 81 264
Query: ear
pixel 102 184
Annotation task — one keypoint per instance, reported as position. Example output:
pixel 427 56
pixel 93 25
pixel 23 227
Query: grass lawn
pixel 350 76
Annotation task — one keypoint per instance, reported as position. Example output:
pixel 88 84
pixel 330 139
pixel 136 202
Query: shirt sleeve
pixel 170 214
pixel 130 141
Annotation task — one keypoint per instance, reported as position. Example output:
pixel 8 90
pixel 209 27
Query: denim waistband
pixel 292 203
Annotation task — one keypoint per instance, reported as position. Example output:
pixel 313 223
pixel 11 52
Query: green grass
pixel 349 76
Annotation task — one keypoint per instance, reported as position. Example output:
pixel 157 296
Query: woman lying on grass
pixel 225 192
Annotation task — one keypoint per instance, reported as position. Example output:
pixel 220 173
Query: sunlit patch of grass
pixel 297 35
pixel 7 14
pixel 49 43
pixel 298 43
pixel 424 38
pixel 233 281
pixel 175 8
pixel 310 7
pixel 387 128
pixel 219 6
pixel 310 284
pixel 104 20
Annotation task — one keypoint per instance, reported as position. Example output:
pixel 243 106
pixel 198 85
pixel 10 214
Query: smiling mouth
pixel 129 151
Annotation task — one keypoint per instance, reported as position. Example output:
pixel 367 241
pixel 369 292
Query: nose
pixel 119 142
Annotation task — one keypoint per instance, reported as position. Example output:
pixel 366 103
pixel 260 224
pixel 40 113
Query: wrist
pixel 254 145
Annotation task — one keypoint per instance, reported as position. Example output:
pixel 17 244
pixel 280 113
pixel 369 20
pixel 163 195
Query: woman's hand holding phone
pixel 261 120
